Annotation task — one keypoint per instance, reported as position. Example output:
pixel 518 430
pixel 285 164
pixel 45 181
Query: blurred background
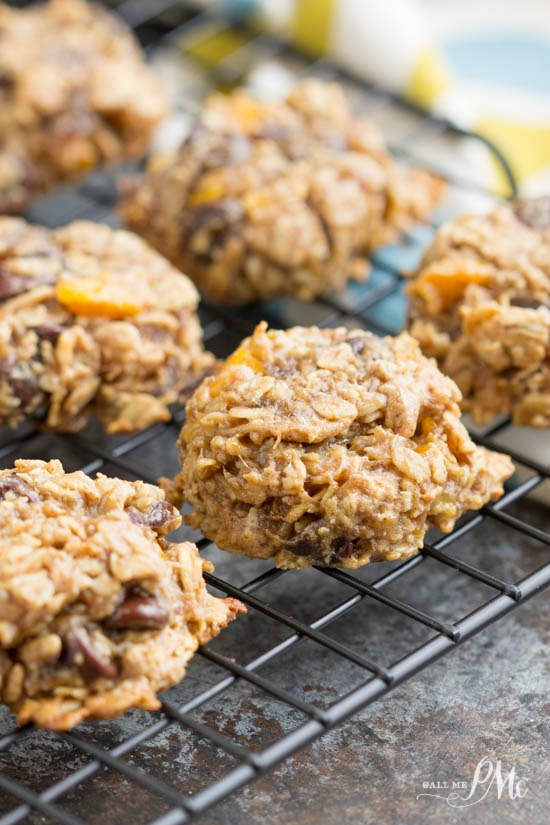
pixel 485 64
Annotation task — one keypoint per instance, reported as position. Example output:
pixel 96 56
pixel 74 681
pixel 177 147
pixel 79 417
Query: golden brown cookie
pixel 480 304
pixel 92 321
pixel 98 612
pixel 330 447
pixel 75 92
pixel 287 198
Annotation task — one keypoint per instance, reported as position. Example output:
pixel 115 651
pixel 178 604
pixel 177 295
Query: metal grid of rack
pixel 262 656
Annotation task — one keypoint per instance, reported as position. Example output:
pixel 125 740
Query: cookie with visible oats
pixel 330 447
pixel 285 198
pixel 480 304
pixel 98 612
pixel 75 92
pixel 92 321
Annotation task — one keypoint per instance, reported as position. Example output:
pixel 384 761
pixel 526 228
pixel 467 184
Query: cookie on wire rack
pixel 266 199
pixel 480 304
pixel 329 447
pixel 99 612
pixel 92 321
pixel 75 92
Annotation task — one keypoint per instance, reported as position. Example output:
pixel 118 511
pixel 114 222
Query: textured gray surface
pixel 489 699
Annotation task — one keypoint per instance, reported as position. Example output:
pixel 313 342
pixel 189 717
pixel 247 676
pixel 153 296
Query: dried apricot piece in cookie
pixel 441 285
pixel 97 298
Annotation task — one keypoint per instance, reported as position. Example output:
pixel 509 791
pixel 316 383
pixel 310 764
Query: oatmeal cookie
pixel 267 199
pixel 75 92
pixel 330 447
pixel 480 303
pixel 98 611
pixel 92 320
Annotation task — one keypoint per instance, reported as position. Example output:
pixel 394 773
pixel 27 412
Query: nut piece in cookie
pixel 480 304
pixel 75 93
pixel 99 612
pixel 287 198
pixel 92 320
pixel 330 447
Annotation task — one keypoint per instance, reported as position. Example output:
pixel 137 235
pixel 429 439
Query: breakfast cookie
pixel 75 92
pixel 98 612
pixel 267 199
pixel 330 447
pixel 92 320
pixel 480 303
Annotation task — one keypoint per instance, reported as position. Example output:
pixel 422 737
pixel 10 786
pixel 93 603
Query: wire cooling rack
pixel 317 646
